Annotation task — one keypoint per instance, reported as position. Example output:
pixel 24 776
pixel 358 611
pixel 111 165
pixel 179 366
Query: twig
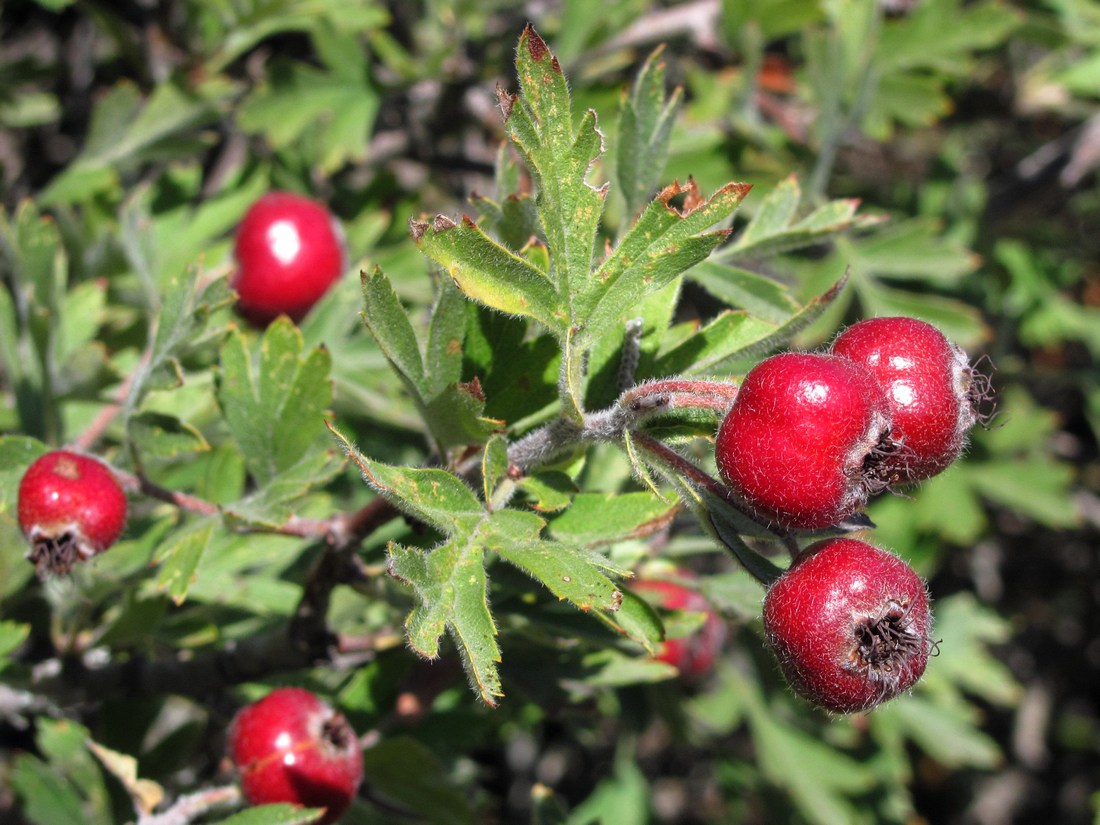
pixel 108 413
pixel 190 807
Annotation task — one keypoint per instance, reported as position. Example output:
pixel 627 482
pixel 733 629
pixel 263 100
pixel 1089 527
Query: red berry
pixel 930 386
pixel 694 655
pixel 289 253
pixel 849 624
pixel 800 440
pixel 292 747
pixel 71 507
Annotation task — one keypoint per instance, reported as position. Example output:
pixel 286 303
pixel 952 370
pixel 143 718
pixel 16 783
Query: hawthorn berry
pixel 849 624
pixel 693 655
pixel 292 747
pixel 801 440
pixel 71 507
pixel 930 385
pixel 289 252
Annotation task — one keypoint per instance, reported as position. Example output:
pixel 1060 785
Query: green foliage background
pixel 937 152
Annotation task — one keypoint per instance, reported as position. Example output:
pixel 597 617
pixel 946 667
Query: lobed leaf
pixel 735 335
pixel 645 126
pixel 451 586
pixel 273 505
pixel 435 496
pixel 540 124
pixel 664 243
pixel 599 518
pixel 566 572
pixel 274 408
pixel 159 435
pixel 488 273
pixel 774 229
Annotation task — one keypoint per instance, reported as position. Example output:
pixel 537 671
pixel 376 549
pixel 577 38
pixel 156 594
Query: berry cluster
pixel 809 437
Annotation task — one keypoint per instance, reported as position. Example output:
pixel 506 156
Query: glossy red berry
pixel 800 440
pixel 693 655
pixel 849 624
pixel 931 388
pixel 289 252
pixel 292 747
pixel 71 507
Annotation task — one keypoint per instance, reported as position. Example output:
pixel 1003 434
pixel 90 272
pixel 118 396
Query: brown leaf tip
pixel 506 100
pixel 536 46
pixel 442 223
pixel 417 229
pixel 473 389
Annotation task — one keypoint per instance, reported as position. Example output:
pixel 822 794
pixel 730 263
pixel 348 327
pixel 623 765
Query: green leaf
pixel 944 35
pixel 663 244
pixel 613 668
pixel 549 491
pixel 949 733
pixel 12 635
pixel 488 273
pixel 599 518
pixel 158 435
pixel 47 798
pixel 736 335
pixel 81 314
pixel 451 586
pixel 621 798
pixel 437 497
pixel 443 354
pixel 636 620
pixel 179 556
pixel 774 229
pixel 17 453
pixel 1035 487
pixel 762 297
pixel 274 408
pixel 915 248
pixel 127 131
pixel 540 124
pixel 517 373
pixel 408 772
pixel 273 505
pixel 281 814
pixel 826 778
pixel 388 322
pixel 456 416
pixel 68 781
pixel 645 126
pixel 966 658
pixel 327 115
pixel 182 320
pixel 566 572
pixel 494 465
